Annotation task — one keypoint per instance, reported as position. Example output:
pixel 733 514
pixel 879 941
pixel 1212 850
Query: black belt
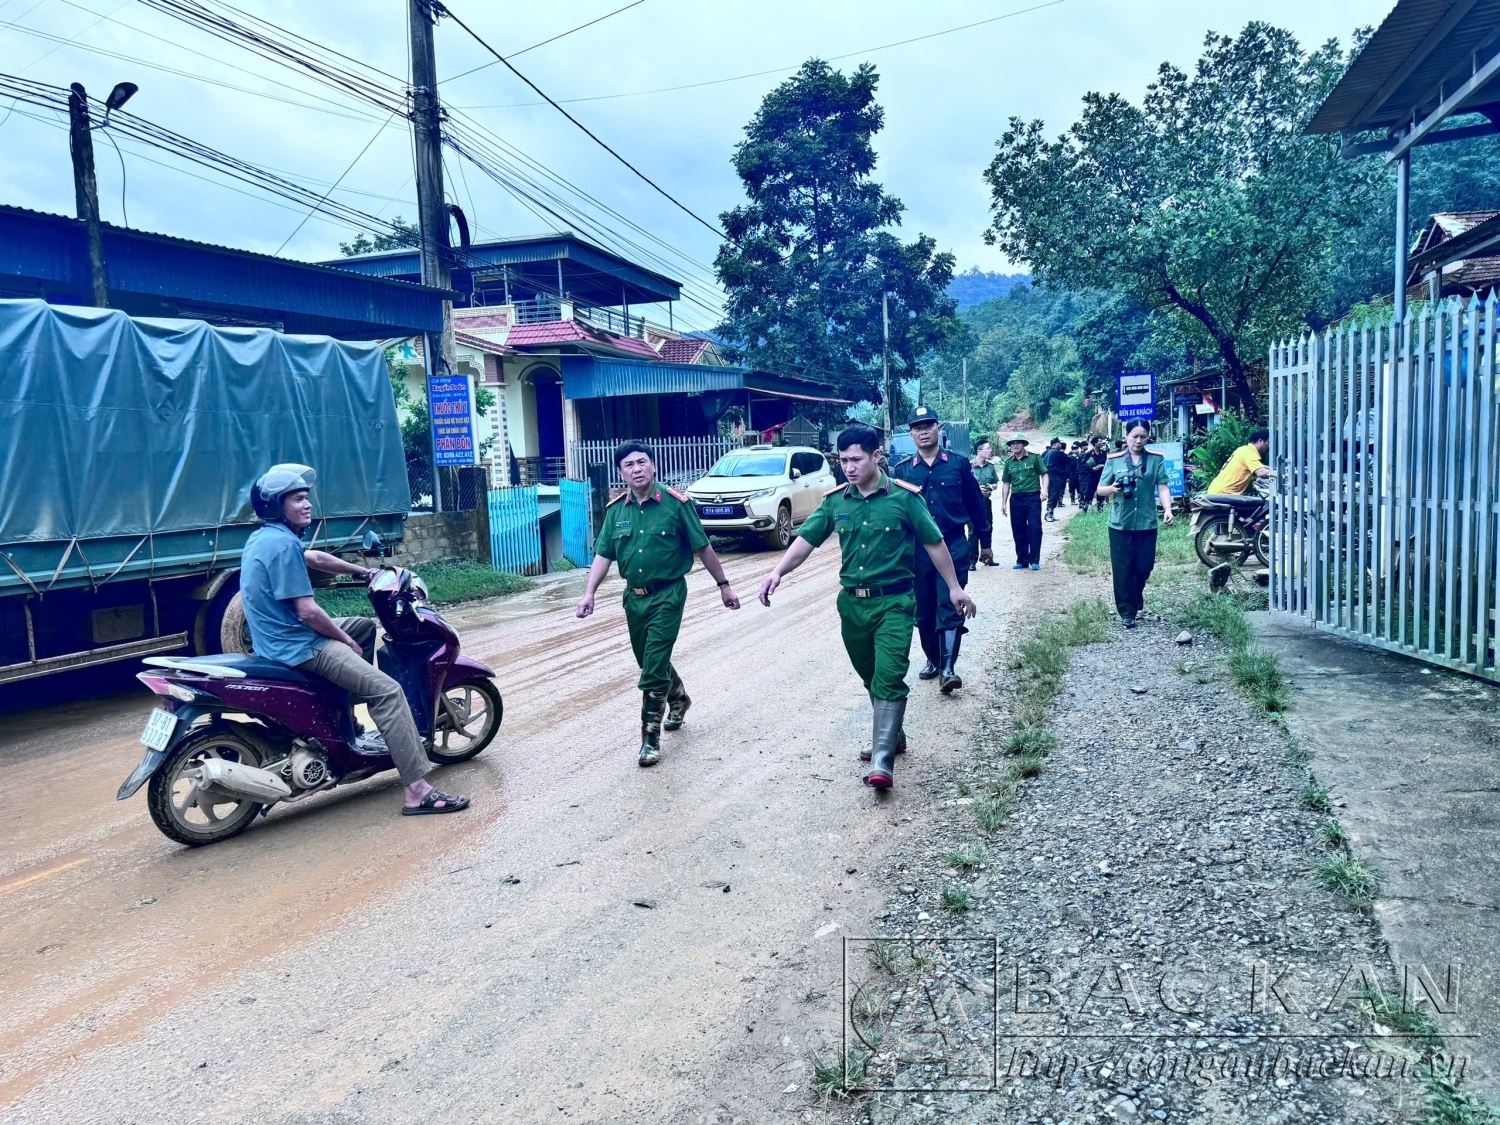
pixel 879 591
pixel 649 588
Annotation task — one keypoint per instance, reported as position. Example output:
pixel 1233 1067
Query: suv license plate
pixel 718 510
pixel 159 729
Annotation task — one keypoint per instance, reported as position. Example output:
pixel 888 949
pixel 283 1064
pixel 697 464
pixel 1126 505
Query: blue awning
pixel 586 376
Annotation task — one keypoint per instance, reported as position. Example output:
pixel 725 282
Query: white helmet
pixel 276 482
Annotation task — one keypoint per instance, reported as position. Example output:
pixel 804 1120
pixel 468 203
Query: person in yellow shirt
pixel 1245 464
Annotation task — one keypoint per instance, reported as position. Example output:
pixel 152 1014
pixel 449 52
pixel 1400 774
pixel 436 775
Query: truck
pixel 127 450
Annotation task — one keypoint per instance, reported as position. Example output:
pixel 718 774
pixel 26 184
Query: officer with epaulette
pixel 653 533
pixel 880 522
pixel 953 497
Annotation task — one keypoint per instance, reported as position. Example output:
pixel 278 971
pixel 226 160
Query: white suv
pixel 762 489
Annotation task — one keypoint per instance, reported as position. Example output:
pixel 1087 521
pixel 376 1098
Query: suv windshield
pixel 750 465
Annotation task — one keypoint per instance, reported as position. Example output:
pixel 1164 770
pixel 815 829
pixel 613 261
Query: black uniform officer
pixel 954 499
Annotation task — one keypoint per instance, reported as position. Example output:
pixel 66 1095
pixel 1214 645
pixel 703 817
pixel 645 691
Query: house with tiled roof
pixel 1456 255
pixel 552 325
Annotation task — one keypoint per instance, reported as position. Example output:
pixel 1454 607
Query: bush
pixel 1209 455
pixel 448 581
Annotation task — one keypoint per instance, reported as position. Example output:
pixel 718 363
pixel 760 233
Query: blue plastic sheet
pixel 118 426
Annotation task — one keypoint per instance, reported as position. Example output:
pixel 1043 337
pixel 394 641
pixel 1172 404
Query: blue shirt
pixel 272 573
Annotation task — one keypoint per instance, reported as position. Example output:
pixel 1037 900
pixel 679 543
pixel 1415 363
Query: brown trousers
pixel 337 663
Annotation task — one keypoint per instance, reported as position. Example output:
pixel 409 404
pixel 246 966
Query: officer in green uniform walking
pixel 879 522
pixel 653 533
pixel 1133 481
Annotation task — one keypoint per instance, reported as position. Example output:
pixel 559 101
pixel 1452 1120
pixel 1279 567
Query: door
pixel 551 465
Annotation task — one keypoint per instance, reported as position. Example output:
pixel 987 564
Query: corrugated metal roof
pixel 47 255
pixel 1421 45
pixel 602 377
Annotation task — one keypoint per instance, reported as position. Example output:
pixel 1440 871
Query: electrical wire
pixel 587 131
pixel 338 181
pixel 544 42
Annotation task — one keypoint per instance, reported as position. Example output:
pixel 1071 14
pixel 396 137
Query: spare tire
pixel 234 633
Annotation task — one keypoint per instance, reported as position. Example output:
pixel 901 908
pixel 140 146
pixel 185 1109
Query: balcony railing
pixel 543 310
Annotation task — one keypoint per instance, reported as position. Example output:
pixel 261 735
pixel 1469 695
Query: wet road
pixel 306 965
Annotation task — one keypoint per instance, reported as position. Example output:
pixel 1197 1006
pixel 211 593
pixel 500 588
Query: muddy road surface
pixel 591 940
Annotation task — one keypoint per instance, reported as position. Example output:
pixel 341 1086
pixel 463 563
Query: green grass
pixel 1315 797
pixel 1087 548
pixel 1349 878
pixel 1443 1103
pixel 834 1078
pixel 448 581
pixel 1331 834
pixel 967 856
pixel 1258 675
pixel 1025 765
pixel 956 899
pixel 1032 740
pixel 1218 615
pixel 992 812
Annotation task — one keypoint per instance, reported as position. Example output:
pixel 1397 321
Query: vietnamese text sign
pixel 1137 397
pixel 1171 451
pixel 452 420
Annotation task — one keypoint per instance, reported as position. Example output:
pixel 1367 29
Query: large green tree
pixel 1204 205
pixel 812 249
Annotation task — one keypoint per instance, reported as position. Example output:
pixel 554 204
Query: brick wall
pixel 441 535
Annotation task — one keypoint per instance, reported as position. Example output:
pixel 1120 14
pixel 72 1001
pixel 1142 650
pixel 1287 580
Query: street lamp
pixel 121 94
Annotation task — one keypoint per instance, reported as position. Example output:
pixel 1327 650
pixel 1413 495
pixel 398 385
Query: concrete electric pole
pixel 885 366
pixel 86 189
pixel 432 210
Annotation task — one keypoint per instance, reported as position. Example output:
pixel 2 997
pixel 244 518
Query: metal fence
pixel 577 526
pixel 515 530
pixel 1384 522
pixel 679 461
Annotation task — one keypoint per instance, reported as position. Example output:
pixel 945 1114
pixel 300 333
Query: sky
pixel 947 98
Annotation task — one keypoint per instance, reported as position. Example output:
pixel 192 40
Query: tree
pixel 404 234
pixel 810 253
pixel 1205 204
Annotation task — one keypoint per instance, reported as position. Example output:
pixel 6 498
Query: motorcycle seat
pixel 1231 500
pixel 254 667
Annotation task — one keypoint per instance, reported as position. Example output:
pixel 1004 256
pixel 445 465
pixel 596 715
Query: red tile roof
pixel 571 332
pixel 686 350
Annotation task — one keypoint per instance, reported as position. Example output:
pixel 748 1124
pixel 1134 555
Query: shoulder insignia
pixel 835 489
pixel 906 484
pixel 945 457
pixel 676 495
pixel 1112 456
pixel 618 498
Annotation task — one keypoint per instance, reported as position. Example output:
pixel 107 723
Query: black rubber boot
pixel 864 755
pixel 929 671
pixel 653 704
pixel 677 703
pixel 888 724
pixel 948 678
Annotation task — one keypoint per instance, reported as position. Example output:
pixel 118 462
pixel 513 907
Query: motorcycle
pixel 237 734
pixel 1232 529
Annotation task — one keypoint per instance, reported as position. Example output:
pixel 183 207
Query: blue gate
pixel 515 531
pixel 577 530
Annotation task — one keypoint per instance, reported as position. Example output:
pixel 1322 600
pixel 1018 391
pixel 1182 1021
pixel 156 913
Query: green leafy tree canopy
pixel 810 252
pixel 1205 204
pixel 404 234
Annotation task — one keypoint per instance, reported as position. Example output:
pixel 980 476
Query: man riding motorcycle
pixel 287 625
pixel 1244 467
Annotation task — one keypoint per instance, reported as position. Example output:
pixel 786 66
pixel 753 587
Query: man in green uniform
pixel 1133 481
pixel 1023 483
pixel 653 533
pixel 987 476
pixel 879 521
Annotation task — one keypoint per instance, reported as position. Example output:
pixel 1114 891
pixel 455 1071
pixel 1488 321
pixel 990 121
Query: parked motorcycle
pixel 237 734
pixel 1232 530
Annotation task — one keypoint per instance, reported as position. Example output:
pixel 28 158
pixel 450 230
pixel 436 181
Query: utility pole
pixel 966 388
pixel 432 211
pixel 885 365
pixel 86 189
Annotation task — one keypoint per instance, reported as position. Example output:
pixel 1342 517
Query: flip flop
pixel 428 807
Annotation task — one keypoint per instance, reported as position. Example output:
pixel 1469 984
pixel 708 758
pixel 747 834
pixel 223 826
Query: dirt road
pixel 591 940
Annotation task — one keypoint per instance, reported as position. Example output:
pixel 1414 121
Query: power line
pixel 338 181
pixel 589 132
pixel 774 70
pixel 544 42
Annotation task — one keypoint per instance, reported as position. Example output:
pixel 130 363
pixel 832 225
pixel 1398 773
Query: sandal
pixel 429 805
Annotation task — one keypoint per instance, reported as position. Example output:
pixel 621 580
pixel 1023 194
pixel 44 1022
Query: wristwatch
pixel 724 583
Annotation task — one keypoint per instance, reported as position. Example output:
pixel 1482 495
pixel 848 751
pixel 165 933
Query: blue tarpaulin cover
pixel 116 426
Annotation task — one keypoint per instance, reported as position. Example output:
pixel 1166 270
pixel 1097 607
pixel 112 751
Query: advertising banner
pixel 452 420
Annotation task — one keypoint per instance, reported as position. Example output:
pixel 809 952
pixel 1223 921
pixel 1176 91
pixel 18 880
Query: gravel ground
pixel 1160 855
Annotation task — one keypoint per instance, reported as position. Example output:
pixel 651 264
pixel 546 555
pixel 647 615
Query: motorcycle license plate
pixel 159 729
pixel 718 510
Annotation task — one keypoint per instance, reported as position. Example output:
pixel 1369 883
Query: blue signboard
pixel 452 420
pixel 1137 397
pixel 1171 452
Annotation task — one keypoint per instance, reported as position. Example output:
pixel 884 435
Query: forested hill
pixel 974 286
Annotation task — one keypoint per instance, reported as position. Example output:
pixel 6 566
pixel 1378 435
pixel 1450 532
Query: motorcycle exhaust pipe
pixel 240 780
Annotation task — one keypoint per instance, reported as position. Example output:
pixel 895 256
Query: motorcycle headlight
pixel 419 588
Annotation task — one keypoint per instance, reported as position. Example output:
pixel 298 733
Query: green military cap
pixel 1022 438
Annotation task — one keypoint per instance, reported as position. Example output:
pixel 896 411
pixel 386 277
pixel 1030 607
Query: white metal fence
pixel 1384 522
pixel 679 461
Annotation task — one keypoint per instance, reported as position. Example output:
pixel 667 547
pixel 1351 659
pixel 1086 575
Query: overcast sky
pixel 947 99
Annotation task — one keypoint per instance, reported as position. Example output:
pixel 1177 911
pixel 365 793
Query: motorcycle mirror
pixel 372 545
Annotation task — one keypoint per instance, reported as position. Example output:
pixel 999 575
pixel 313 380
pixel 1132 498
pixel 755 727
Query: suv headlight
pixel 760 494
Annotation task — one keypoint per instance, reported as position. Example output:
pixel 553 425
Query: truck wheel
pixel 208 626
pixel 234 633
